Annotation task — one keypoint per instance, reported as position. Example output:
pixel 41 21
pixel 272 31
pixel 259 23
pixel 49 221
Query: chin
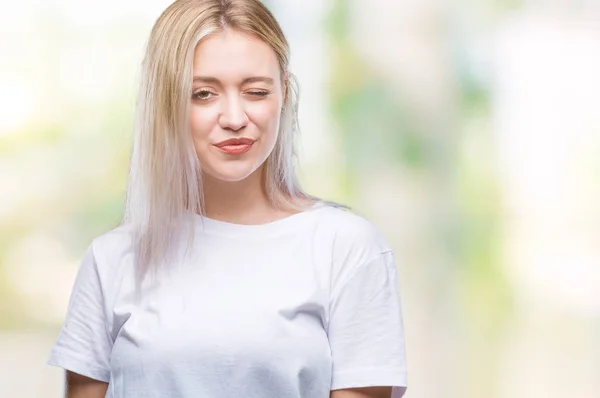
pixel 232 172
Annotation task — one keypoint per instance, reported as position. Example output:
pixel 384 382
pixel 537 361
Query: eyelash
pixel 197 95
pixel 258 93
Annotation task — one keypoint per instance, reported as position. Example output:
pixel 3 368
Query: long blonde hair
pixel 165 180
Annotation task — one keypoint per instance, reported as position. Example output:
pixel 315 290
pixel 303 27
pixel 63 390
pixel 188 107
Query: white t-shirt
pixel 289 309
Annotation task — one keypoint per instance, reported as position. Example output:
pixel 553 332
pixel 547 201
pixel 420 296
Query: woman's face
pixel 237 93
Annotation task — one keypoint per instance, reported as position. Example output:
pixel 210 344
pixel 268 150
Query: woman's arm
pixel 79 386
pixel 365 392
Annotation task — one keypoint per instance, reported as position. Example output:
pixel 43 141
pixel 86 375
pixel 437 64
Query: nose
pixel 233 115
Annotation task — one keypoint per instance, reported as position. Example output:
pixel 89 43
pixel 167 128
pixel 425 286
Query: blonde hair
pixel 165 180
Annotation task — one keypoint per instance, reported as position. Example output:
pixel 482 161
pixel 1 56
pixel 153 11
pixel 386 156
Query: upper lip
pixel 236 141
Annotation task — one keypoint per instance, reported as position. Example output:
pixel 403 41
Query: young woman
pixel 225 278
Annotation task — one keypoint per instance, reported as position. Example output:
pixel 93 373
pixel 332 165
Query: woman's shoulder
pixel 118 238
pixel 352 234
pixel 112 246
pixel 352 241
pixel 351 226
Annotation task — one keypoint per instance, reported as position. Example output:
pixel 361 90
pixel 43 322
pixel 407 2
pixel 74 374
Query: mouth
pixel 235 146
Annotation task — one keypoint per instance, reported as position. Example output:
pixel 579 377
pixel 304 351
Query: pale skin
pixel 238 91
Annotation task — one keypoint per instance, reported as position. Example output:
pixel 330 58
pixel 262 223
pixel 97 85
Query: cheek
pixel 266 116
pixel 201 124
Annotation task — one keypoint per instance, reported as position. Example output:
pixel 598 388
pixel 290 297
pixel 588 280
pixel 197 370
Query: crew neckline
pixel 276 227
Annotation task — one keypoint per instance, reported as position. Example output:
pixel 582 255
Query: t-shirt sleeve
pixel 84 344
pixel 366 332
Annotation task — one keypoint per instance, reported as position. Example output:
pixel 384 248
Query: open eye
pixel 202 95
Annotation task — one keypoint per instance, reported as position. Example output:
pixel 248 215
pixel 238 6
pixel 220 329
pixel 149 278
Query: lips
pixel 235 146
pixel 235 141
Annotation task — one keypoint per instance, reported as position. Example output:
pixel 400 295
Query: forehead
pixel 232 54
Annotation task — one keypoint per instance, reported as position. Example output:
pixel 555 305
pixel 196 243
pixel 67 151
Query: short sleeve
pixel 366 332
pixel 84 345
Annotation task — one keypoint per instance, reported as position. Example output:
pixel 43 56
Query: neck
pixel 242 201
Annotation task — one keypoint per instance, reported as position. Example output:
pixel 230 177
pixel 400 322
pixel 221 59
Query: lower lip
pixel 235 149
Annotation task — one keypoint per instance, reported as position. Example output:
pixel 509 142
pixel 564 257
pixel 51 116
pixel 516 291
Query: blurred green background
pixel 467 131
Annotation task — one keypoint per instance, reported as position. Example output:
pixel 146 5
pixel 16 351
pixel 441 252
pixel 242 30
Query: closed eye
pixel 259 93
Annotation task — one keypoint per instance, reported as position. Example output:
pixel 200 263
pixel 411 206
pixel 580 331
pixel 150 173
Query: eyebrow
pixel 214 80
